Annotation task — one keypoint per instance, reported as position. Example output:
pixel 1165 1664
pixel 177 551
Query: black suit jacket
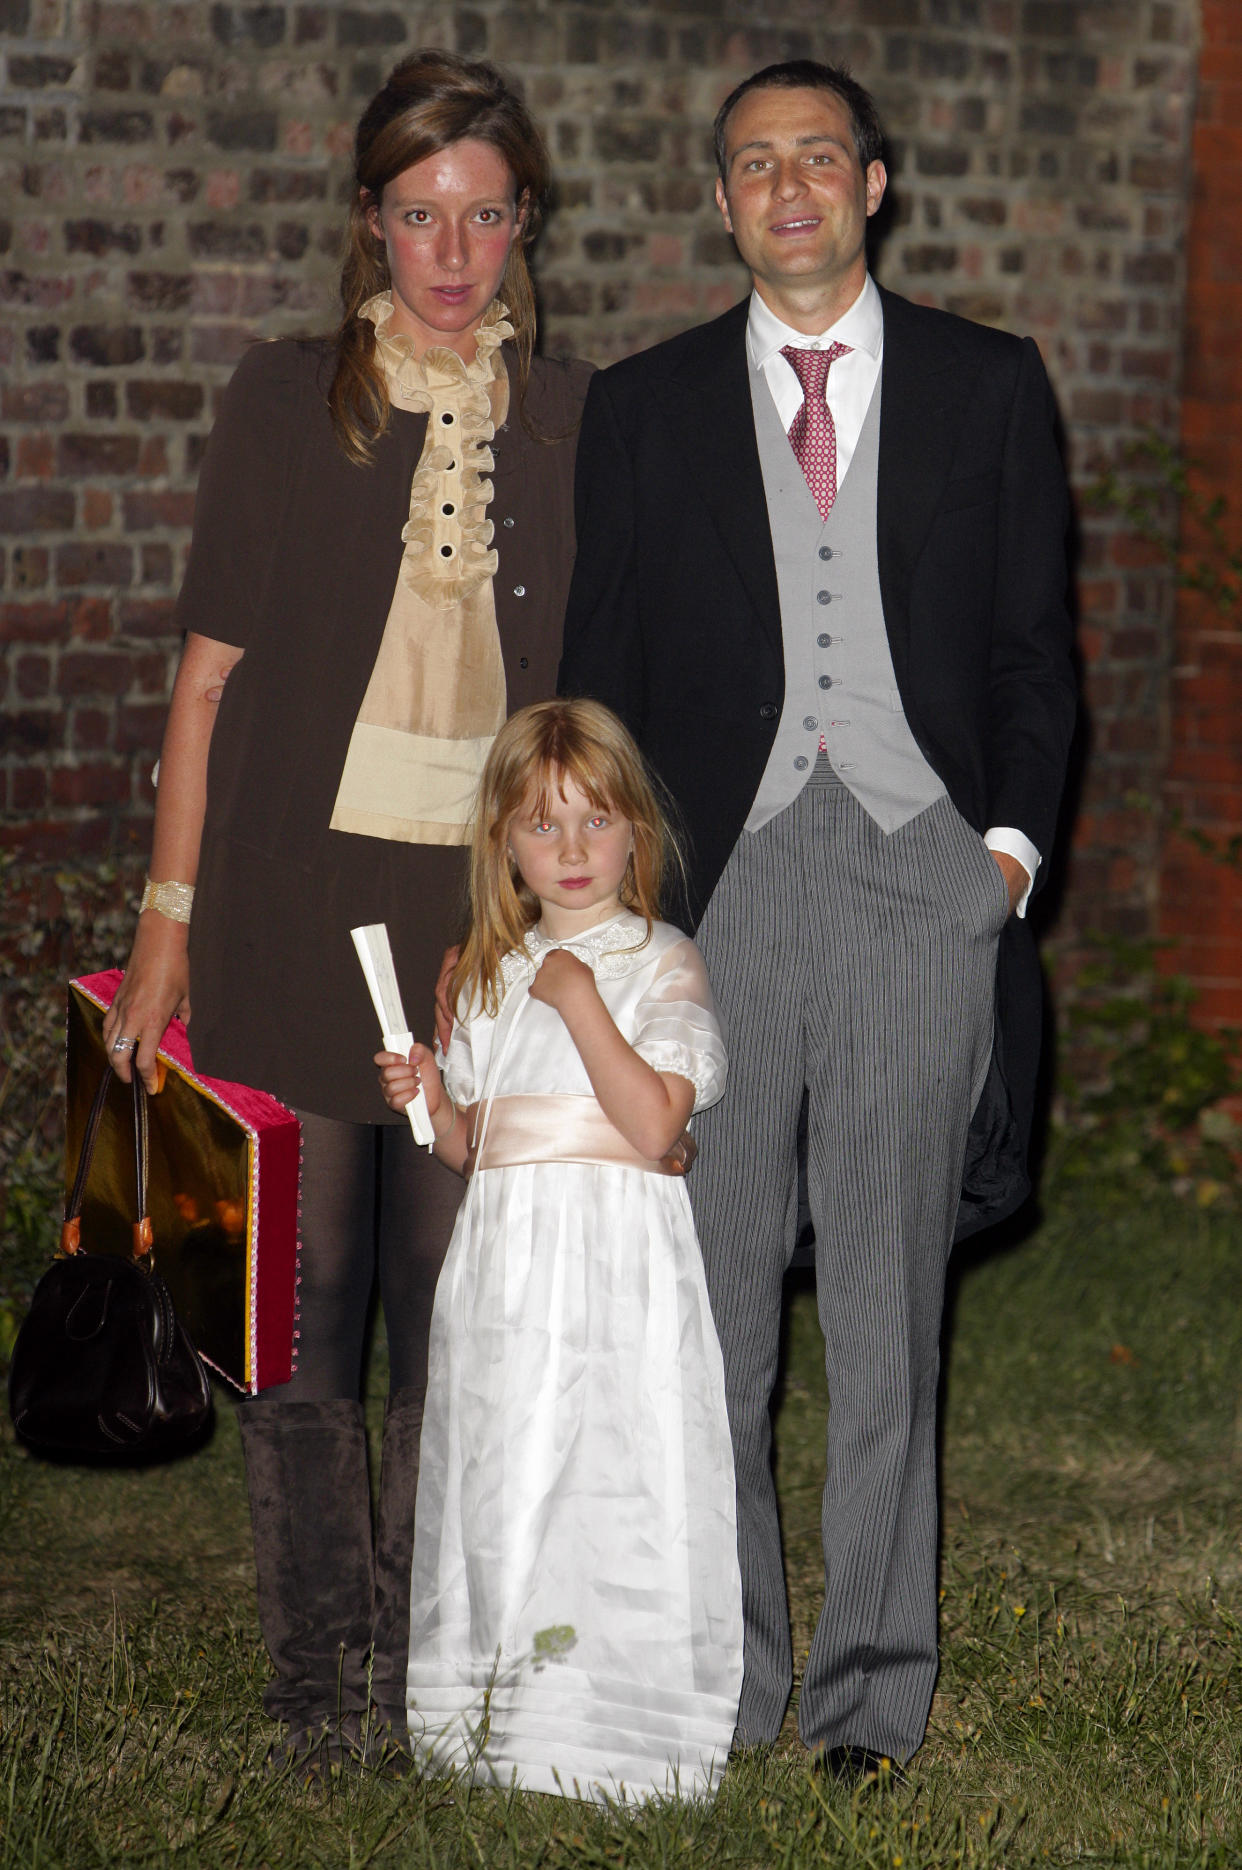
pixel 674 616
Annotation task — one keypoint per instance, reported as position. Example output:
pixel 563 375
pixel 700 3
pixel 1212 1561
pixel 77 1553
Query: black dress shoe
pixel 858 1766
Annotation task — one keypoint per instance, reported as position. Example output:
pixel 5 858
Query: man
pixel 821 574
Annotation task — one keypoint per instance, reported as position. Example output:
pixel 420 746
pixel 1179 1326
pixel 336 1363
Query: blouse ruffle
pixel 448 536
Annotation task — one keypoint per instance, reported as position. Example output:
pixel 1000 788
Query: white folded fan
pixel 375 954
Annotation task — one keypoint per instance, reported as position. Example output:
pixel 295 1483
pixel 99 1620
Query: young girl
pixel 576 1619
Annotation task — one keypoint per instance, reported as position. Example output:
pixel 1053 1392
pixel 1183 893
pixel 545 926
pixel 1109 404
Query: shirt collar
pixel 861 327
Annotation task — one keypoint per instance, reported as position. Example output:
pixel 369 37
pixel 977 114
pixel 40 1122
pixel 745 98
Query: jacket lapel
pixel 707 390
pixel 924 401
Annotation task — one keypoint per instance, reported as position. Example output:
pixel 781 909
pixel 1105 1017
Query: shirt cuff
pixel 1017 845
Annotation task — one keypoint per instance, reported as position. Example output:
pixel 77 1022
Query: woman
pixel 354 640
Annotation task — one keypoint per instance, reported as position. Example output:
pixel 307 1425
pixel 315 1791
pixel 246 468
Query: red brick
pixel 91 730
pixel 36 509
pixel 1220 63
pixel 1213 727
pixel 35 457
pixel 37 622
pixel 172 401
pixel 33 677
pixel 96 510
pixel 1098 597
pixel 147 616
pixel 27 788
pixel 1124 736
pixel 220 344
pixel 83 672
pixel 151 673
pixel 1217 1004
pixel 1200 691
pixel 1202 765
pixel 95 782
pixel 1128 549
pixel 150 512
pixel 78 455
pixel 140 729
pixel 79 564
pixel 34 730
pixel 157 564
pixel 154 457
pixel 1137 644
pixel 1220 23
pixel 49 840
pixel 29 567
pixel 90 619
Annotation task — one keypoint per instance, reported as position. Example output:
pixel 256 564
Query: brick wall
pixel 1200 899
pixel 176 175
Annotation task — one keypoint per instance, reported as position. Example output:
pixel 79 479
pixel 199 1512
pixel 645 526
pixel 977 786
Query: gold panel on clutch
pixel 198 1189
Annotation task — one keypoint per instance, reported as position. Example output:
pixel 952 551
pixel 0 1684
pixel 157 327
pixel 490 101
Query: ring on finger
pixel 124 1045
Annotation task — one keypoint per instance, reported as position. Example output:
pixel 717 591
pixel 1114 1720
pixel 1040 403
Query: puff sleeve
pixel 677 1027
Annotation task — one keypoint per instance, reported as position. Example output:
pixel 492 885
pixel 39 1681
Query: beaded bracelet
pixel 173 900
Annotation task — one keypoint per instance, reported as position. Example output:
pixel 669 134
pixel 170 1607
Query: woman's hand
pixel 157 974
pixel 155 988
pixel 562 980
pixel 401 1078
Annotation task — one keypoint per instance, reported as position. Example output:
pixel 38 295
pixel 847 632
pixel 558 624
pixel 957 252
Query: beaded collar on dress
pixel 610 949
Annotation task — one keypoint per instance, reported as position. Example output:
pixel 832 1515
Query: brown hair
pixel 428 101
pixel 538 748
pixel 807 74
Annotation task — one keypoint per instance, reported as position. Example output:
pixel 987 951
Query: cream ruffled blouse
pixel 436 697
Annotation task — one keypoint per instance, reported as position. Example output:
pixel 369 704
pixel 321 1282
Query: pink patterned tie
pixel 812 434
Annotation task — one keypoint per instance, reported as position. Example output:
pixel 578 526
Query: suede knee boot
pixel 310 1509
pixel 394 1555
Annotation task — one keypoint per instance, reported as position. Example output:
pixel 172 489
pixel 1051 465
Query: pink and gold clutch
pixel 222 1193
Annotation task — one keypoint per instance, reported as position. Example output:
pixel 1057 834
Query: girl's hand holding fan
pixel 375 954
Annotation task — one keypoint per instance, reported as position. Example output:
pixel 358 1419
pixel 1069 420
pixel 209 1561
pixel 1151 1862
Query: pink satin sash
pixel 553 1129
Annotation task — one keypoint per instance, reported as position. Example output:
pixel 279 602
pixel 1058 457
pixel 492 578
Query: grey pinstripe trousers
pixel 861 966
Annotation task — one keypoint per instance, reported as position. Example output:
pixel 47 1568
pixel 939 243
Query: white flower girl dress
pixel 576 1621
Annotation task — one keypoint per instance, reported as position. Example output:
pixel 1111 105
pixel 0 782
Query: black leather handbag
pixel 102 1365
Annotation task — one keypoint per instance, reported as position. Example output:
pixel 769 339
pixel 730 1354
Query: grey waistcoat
pixel 839 677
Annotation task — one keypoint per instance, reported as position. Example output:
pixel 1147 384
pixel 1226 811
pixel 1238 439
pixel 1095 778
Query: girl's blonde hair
pixel 536 750
pixel 429 101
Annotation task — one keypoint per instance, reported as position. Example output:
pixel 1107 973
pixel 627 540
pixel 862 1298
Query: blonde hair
pixel 537 749
pixel 429 101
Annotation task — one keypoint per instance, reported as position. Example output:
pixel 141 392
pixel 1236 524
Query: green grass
pixel 1089 1709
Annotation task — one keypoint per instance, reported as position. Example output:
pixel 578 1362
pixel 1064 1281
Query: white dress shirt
pixel 848 391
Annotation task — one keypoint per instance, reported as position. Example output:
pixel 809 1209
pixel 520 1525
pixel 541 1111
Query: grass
pixel 1089 1709
pixel 1090 1702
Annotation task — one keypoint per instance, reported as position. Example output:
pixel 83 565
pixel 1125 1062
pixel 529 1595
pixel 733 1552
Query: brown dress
pixel 295 556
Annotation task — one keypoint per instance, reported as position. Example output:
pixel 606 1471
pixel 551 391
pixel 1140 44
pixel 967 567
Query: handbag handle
pixel 71 1232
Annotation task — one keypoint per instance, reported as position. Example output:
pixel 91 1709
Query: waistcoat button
pixel 825 681
pixel 519 590
pixel 823 597
pixel 824 640
pixel 769 711
pixel 810 722
pixel 802 762
pixel 506 522
pixel 825 551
